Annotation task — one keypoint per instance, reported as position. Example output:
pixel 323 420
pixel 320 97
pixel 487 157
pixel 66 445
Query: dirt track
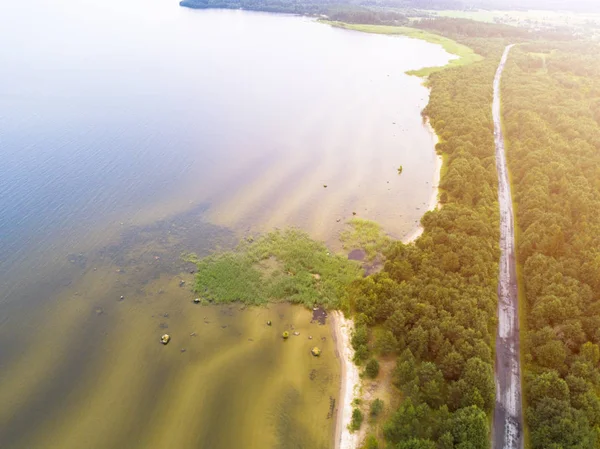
pixel 507 432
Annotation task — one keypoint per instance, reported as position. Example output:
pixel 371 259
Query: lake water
pixel 133 131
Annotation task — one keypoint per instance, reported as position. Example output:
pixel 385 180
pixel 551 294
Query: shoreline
pixel 434 202
pixel 342 329
pixel 350 381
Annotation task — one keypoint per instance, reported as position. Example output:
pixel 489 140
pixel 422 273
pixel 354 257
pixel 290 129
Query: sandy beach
pixel 342 332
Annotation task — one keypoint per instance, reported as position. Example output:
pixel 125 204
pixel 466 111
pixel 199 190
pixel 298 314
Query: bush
pixel 361 354
pixel 371 443
pixel 357 419
pixel 376 407
pixel 372 368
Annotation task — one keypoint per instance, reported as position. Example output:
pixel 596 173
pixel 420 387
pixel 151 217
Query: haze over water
pixel 131 131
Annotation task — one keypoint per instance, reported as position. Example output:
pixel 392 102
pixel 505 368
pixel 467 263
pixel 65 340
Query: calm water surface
pixel 132 131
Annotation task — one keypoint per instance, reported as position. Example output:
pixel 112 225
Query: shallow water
pixel 133 131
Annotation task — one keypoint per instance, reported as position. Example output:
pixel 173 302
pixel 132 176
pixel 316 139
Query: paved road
pixel 507 432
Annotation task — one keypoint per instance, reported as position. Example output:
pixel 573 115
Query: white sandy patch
pixel 342 331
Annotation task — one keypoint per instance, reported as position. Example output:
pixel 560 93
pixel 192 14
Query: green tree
pixel 371 442
pixel 469 428
pixel 376 408
pixel 387 343
pixel 415 443
pixel 372 368
pixel 357 419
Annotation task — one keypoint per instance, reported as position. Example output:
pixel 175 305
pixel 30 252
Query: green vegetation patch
pixel 357 419
pixel 279 266
pixel 366 235
pixel 376 408
pixel 465 54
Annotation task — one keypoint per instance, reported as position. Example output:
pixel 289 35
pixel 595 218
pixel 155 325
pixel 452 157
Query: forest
pixel 552 122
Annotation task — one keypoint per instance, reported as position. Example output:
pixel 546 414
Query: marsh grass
pixel 279 266
pixel 366 235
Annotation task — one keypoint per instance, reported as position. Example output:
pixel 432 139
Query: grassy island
pixel 279 266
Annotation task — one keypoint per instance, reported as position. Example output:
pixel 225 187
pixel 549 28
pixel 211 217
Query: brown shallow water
pixel 87 368
pixel 178 131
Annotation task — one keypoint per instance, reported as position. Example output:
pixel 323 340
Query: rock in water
pixel 197 300
pixel 165 339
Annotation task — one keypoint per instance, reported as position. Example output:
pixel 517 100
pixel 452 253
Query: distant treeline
pixel 344 12
pixel 551 100
pixel 326 7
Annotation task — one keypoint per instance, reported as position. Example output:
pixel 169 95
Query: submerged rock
pixel 315 351
pixel 296 333
pixel 165 339
pixel 357 254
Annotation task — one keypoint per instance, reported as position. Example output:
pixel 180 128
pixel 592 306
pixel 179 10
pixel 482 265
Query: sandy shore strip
pixel 342 333
pixel 435 189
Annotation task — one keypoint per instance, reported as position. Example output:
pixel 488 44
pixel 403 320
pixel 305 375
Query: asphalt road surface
pixel 507 432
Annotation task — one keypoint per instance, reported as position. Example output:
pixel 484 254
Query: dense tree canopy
pixel 551 104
